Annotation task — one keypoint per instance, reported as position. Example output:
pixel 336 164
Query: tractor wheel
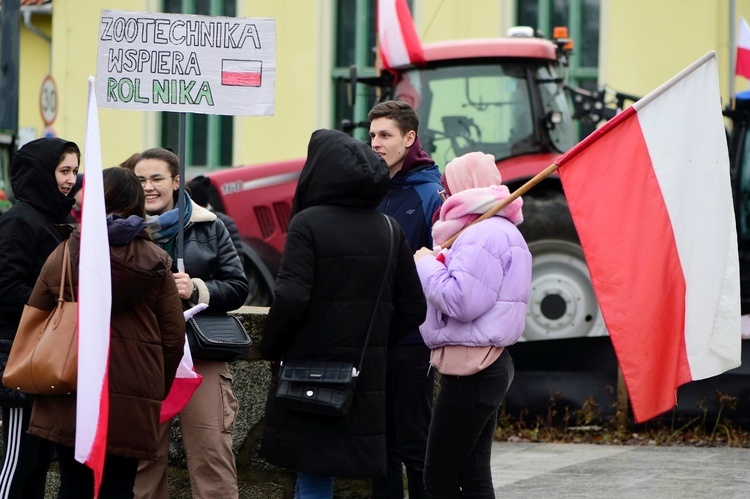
pixel 562 302
pixel 259 294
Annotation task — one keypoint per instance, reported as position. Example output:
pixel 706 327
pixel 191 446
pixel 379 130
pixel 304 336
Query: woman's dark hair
pixel 70 148
pixel 170 158
pixel 130 162
pixel 123 194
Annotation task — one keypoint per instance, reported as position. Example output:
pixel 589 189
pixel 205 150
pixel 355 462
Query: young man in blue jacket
pixel 412 200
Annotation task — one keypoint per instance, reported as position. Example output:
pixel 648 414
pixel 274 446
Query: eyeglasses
pixel 443 195
pixel 156 180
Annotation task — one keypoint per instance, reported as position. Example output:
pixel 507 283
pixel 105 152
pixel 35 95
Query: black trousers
pixel 27 458
pixel 410 385
pixel 77 479
pixel 462 431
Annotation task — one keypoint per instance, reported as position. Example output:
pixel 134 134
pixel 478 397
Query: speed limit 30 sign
pixel 48 100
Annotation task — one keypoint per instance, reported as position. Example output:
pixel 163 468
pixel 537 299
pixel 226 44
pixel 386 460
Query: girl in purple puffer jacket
pixel 476 291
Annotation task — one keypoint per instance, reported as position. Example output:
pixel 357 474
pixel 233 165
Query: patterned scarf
pixel 164 227
pixel 462 208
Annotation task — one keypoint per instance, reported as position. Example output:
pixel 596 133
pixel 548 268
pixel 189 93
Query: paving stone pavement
pixel 528 471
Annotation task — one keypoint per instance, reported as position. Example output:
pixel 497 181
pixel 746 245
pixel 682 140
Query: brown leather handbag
pixel 44 357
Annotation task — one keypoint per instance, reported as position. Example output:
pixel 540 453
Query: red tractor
pixel 502 96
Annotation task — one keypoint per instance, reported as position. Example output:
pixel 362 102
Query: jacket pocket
pixel 229 403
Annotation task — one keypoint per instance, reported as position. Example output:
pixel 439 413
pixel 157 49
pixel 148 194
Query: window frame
pixel 219 129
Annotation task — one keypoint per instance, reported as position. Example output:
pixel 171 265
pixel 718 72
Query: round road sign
pixel 48 100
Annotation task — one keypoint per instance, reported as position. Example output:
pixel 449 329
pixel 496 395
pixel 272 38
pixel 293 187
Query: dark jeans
pixel 77 479
pixel 27 458
pixel 462 430
pixel 410 385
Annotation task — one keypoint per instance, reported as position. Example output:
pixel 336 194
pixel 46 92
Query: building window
pixel 208 138
pixel 354 46
pixel 582 19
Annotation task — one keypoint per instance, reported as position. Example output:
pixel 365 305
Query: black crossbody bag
pixel 326 387
pixel 217 337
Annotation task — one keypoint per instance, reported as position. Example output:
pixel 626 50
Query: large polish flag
pixel 186 380
pixel 742 66
pixel 397 38
pixel 94 308
pixel 650 196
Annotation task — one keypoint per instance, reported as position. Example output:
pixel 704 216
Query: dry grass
pixel 589 425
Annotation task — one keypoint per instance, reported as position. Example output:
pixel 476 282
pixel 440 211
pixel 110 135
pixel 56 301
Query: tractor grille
pixel 265 220
pixel 282 211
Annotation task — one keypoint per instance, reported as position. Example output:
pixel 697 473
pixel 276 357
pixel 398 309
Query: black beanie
pixel 199 190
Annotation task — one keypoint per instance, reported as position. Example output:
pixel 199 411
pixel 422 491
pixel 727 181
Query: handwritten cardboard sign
pixel 153 61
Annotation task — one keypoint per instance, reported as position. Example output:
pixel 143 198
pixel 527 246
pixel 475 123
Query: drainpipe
pixel 28 11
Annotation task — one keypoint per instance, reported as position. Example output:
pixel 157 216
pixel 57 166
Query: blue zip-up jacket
pixel 413 200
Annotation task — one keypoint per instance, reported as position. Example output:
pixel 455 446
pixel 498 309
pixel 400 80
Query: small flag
pixel 742 67
pixel 239 73
pixel 186 380
pixel 651 199
pixel 397 38
pixel 94 308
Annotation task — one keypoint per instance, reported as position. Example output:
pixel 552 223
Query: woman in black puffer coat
pixel 335 256
pixel 42 174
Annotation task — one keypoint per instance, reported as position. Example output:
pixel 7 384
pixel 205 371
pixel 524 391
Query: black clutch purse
pixel 217 337
pixel 317 386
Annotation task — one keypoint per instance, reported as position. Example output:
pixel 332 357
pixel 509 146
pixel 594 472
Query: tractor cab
pixel 502 96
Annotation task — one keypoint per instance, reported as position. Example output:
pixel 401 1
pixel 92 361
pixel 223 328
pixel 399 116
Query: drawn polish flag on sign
pixel 651 199
pixel 239 73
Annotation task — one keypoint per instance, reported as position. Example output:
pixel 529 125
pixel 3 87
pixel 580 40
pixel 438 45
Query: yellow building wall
pixel 646 42
pixel 438 20
pixel 643 43
pixel 302 100
pixel 34 65
pixel 74 48
pixel 303 81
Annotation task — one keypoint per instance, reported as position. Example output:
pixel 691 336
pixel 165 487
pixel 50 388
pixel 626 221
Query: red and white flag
pixel 186 380
pixel 651 199
pixel 241 73
pixel 742 66
pixel 397 38
pixel 94 308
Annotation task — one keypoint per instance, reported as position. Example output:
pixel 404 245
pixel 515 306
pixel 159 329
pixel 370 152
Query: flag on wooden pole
pixel 94 308
pixel 651 199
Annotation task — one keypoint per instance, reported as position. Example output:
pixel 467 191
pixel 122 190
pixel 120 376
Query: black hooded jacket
pixel 29 230
pixel 334 260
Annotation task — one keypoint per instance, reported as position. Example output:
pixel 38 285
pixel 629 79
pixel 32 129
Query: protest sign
pixel 154 61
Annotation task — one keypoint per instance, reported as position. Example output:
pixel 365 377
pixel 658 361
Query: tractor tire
pixel 562 302
pixel 259 294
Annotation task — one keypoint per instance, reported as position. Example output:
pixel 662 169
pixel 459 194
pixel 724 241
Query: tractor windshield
pixel 499 109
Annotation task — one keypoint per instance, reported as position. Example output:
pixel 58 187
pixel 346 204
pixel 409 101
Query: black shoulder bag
pixel 325 387
pixel 217 337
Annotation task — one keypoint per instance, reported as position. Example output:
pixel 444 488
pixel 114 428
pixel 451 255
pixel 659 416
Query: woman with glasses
pixel 213 275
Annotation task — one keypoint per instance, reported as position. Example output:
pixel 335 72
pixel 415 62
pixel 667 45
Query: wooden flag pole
pixel 505 202
pixel 622 394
